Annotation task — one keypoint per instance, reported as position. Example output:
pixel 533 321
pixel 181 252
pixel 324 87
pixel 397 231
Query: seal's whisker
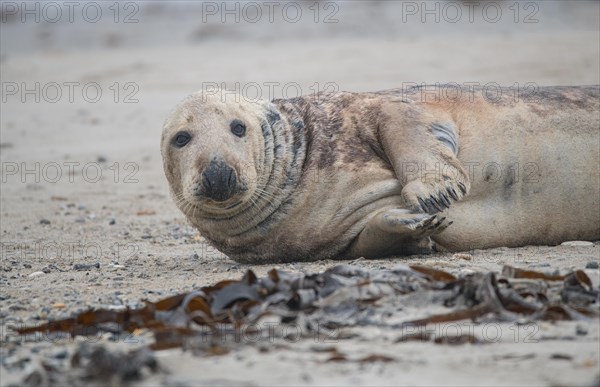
pixel 263 193
pixel 254 203
pixel 180 201
pixel 184 204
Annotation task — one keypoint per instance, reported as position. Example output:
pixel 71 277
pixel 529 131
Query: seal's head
pixel 211 149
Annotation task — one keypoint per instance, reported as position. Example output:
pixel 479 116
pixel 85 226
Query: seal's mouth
pixel 234 205
pixel 198 200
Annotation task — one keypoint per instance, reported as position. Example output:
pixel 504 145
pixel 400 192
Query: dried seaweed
pixel 344 295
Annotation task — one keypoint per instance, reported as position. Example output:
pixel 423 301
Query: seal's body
pixel 345 175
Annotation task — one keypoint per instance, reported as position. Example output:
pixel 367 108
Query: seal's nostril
pixel 206 181
pixel 232 181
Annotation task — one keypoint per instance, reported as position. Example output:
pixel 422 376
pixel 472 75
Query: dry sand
pixel 125 220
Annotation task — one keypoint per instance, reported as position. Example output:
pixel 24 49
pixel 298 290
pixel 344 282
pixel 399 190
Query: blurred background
pixel 87 85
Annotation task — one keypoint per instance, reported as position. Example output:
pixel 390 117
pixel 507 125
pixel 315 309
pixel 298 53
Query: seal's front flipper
pixel 397 232
pixel 422 146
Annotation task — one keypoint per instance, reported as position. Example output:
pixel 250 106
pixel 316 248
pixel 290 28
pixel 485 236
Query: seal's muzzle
pixel 219 181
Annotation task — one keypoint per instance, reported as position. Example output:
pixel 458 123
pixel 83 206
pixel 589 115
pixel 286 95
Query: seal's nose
pixel 219 181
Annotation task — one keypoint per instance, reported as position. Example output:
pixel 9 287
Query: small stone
pixel 545 264
pixel 592 265
pixel 84 266
pixel 16 361
pixel 194 256
pixel 577 244
pixel 59 305
pixel 112 222
pixel 36 274
pixel 101 159
pixel 466 257
pixel 35 378
pixel 581 330
pixel 61 354
pixel 561 356
pixel 44 221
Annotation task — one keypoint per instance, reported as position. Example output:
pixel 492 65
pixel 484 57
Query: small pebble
pixel 466 257
pixel 592 265
pixel 36 274
pixel 59 305
pixel 112 222
pixel 16 361
pixel 84 266
pixel 561 356
pixel 35 378
pixel 44 221
pixel 577 243
pixel 540 265
pixel 61 354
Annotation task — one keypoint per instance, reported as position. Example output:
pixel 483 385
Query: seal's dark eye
pixel 238 128
pixel 181 139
